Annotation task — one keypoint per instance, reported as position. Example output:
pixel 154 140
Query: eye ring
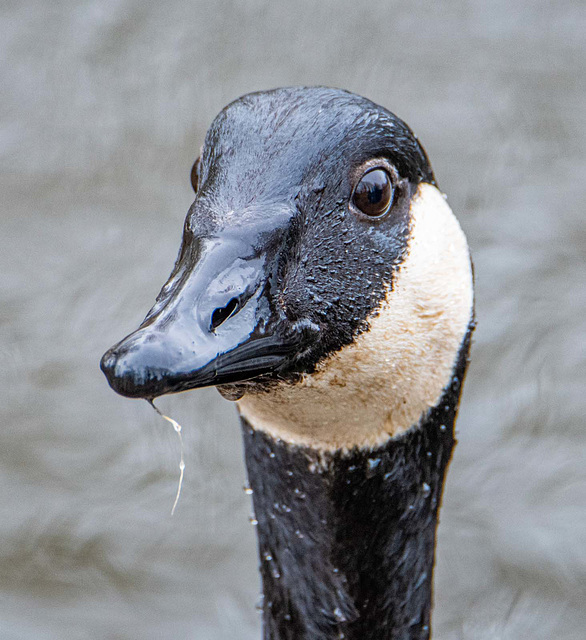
pixel 374 193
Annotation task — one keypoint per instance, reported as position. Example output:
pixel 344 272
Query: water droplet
pixel 287 617
pixel 426 489
pixel 335 570
pixel 290 473
pixel 372 465
pixel 340 617
pixel 299 534
pixel 429 454
pixel 247 490
pixel 253 521
pixel 411 507
pixel 271 455
pixel 177 428
pixel 443 427
pixel 268 557
pixel 275 573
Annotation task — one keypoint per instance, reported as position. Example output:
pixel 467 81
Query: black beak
pixel 213 323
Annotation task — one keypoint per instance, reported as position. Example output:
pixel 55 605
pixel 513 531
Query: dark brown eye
pixel 373 195
pixel 195 175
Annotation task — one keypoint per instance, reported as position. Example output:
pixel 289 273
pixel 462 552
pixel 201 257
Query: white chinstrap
pixel 393 373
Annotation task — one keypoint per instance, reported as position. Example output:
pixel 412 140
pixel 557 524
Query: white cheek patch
pixel 391 375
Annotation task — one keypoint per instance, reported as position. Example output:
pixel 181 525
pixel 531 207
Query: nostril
pixel 221 314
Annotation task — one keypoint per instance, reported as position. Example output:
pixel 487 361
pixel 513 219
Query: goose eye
pixel 195 175
pixel 373 195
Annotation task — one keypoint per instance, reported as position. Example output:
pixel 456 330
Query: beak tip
pixel 109 367
pixel 120 377
pixel 133 374
pixel 107 363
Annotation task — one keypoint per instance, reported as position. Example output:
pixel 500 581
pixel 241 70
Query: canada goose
pixel 323 284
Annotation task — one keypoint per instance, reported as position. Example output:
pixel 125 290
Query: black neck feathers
pixel 347 540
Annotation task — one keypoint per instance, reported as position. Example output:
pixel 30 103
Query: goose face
pixel 301 221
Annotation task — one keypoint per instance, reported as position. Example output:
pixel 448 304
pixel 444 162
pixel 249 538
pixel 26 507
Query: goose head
pixel 323 282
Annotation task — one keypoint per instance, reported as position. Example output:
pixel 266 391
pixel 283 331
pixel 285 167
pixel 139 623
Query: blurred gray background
pixel 104 107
